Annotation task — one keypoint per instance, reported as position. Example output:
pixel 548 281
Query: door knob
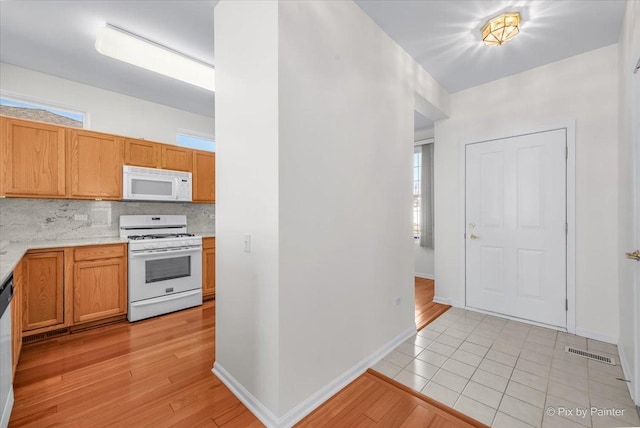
pixel 634 256
pixel 472 236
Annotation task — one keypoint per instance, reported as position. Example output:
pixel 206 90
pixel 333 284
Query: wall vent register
pixel 590 355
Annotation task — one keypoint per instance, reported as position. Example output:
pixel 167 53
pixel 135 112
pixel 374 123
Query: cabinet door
pixel 99 289
pixel 204 176
pixel 43 290
pixel 208 267
pixel 16 316
pixel 176 158
pixel 95 161
pixel 141 153
pixel 32 159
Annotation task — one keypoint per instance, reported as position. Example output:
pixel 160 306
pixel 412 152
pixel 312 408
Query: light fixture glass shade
pixel 501 29
pixel 118 44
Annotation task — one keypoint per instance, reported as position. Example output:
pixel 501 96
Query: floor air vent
pixel 590 355
pixel 43 336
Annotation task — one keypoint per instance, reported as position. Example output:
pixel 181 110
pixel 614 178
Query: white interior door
pixel 516 226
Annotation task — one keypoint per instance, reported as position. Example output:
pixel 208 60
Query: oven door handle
pixel 143 253
pixel 166 298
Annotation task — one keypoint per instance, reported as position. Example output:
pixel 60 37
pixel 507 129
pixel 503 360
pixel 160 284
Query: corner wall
pixel 346 150
pixel 321 179
pixel 583 88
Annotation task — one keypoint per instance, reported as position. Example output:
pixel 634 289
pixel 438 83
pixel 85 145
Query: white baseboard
pixel 310 404
pixel 626 370
pixel 424 275
pixel 252 403
pixel 442 301
pixel 596 336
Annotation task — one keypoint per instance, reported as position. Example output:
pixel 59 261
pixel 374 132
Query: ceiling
pixel 444 36
pixel 57 37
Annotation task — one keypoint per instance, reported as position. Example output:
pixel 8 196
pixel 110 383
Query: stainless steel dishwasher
pixel 6 372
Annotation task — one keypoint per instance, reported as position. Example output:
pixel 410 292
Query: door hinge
pixel 566 228
pixel 566 152
pixel 566 304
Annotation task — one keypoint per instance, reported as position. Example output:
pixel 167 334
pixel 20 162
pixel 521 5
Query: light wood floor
pixel 154 373
pixel 426 309
pixel 157 373
pixel 373 400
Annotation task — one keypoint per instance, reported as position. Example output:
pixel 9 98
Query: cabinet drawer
pixel 99 252
pixel 208 243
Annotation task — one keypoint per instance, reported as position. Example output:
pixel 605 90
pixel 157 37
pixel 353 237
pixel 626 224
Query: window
pixel 417 173
pixel 195 141
pixel 423 193
pixel 25 109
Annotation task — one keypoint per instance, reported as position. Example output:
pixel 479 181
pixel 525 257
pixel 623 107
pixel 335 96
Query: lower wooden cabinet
pixel 43 290
pixel 67 287
pixel 208 267
pixel 16 317
pixel 99 283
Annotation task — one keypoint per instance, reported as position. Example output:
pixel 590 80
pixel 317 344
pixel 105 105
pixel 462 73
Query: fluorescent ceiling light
pixel 127 47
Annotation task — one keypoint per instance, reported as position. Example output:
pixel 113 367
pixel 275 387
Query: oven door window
pixel 165 269
pixel 151 187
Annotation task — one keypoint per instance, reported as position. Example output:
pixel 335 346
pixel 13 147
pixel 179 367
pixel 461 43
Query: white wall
pixel 247 196
pixel 322 181
pixel 583 88
pixel 108 111
pixel 346 147
pixel 629 345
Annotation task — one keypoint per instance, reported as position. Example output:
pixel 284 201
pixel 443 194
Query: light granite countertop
pixel 12 252
pixel 203 234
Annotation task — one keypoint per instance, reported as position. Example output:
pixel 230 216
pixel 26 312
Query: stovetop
pixel 159 236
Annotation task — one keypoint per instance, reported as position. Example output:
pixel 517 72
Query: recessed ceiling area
pixel 443 36
pixel 421 123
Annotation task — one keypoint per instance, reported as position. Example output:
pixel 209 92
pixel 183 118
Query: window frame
pixel 195 134
pixel 47 105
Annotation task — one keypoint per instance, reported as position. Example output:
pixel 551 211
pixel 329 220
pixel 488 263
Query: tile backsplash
pixel 52 219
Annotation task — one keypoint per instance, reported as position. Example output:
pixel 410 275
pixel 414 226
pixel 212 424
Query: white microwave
pixel 150 184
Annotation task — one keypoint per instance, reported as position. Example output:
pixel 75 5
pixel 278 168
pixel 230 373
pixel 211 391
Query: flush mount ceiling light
pixel 124 46
pixel 501 29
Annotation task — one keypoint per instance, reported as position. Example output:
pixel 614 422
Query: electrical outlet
pixel 397 301
pixel 81 217
pixel 247 243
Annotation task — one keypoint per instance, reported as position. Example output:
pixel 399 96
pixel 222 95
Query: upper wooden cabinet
pixel 141 153
pixel 43 290
pixel 95 165
pixel 204 174
pixel 176 158
pixel 32 159
pixel 41 160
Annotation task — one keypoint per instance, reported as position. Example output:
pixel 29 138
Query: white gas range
pixel 165 265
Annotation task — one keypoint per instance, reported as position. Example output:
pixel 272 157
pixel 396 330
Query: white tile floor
pixel 510 374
